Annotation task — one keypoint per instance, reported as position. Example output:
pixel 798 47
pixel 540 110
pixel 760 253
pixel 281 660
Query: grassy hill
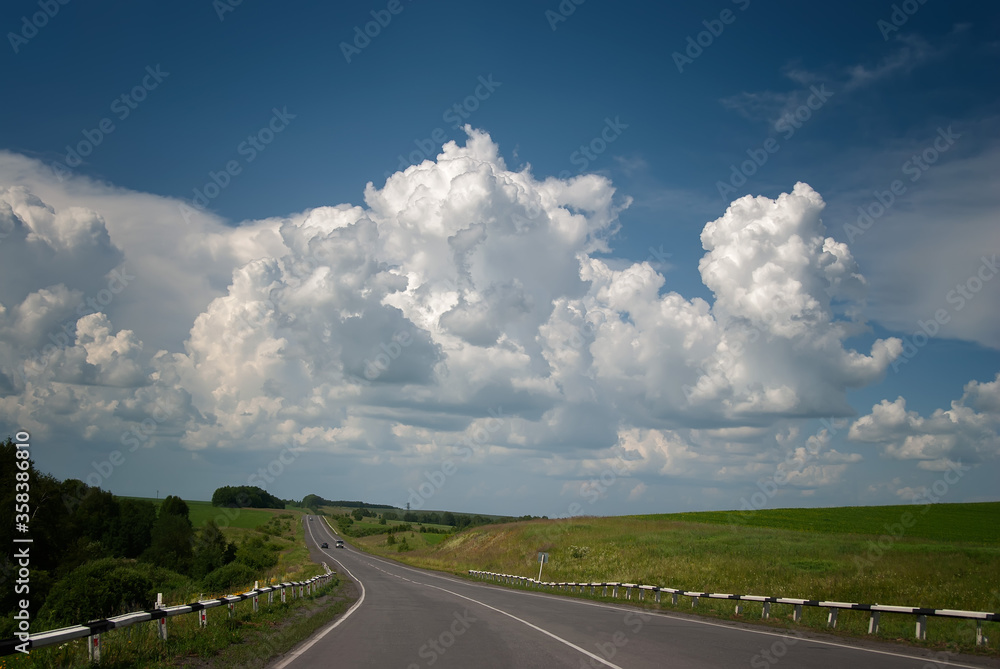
pixel 946 557
pixel 940 522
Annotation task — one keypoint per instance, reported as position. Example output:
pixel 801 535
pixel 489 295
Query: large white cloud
pixel 967 433
pixel 771 345
pixel 463 301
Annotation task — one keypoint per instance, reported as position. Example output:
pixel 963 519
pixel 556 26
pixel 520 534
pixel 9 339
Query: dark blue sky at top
pixel 354 119
pixel 557 87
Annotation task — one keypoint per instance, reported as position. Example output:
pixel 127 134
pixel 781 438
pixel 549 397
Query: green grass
pixel 965 523
pixel 948 557
pixel 201 512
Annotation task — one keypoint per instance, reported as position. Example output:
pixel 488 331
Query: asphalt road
pixel 411 618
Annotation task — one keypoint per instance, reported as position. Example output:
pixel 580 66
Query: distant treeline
pixel 246 496
pixel 457 521
pixel 315 501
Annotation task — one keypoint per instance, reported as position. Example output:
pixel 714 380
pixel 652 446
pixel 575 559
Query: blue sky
pixel 646 122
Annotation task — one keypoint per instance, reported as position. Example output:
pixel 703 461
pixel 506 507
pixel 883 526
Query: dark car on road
pixel 324 545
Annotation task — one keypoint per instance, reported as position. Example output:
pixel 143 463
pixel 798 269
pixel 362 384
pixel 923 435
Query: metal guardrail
pixel 95 628
pixel 832 607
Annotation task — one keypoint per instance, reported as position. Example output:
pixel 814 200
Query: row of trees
pixel 245 496
pixel 315 502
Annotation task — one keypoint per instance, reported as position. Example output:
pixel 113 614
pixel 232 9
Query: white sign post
pixel 542 559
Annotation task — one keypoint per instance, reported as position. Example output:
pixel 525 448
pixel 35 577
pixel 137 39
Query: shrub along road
pixel 413 618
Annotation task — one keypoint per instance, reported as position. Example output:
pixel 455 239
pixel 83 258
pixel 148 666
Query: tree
pixel 97 517
pixel 170 544
pixel 175 506
pixel 211 551
pixel 247 496
pixel 448 518
pixel 133 531
pixel 313 502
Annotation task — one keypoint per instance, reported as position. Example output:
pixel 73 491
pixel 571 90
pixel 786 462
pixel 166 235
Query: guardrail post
pixel 270 597
pixel 300 592
pixel 831 618
pixel 614 591
pixel 766 613
pixel 161 623
pixel 694 602
pixel 94 648
pixel 232 607
pixel 282 594
pixel 797 616
pixel 657 596
pixel 739 609
pixel 979 633
pixel 873 622
pixel 605 593
pixel 628 593
pixel 922 628
pixel 673 599
pixel 203 618
pixel 256 584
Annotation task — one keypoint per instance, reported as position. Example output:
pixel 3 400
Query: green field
pixel 201 512
pixel 965 523
pixel 946 557
pixel 283 529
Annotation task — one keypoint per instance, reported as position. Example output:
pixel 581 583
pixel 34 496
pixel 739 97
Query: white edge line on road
pixel 319 636
pixel 666 614
pixel 525 622
pixel 294 654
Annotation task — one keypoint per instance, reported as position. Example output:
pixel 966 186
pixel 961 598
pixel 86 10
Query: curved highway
pixel 411 618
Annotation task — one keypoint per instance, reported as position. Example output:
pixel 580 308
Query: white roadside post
pixel 162 622
pixel 542 559
pixel 95 648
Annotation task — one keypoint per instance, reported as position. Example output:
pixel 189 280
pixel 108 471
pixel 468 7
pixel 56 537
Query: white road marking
pixel 572 600
pixel 509 615
pixel 297 652
pixel 663 614
pixel 294 654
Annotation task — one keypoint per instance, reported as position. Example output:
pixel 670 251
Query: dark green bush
pixel 232 575
pixel 98 589
pixel 258 554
